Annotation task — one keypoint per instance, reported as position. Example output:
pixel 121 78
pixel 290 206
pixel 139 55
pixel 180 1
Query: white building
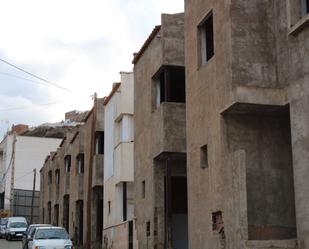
pixel 19 156
pixel 119 165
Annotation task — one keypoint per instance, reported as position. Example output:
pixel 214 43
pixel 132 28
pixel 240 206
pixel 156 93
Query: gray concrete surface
pixel 10 244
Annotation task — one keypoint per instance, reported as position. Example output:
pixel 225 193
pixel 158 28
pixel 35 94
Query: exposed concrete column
pixel 168 205
pixel 300 145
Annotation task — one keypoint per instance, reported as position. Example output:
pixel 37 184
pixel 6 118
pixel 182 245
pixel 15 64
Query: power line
pixel 22 78
pixel 27 107
pixel 35 76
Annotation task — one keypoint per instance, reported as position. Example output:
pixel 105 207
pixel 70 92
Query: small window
pixel 99 142
pixel 67 163
pixel 217 222
pixel 109 207
pixel 57 176
pixel 143 189
pixel 50 177
pixel 304 5
pixel 148 229
pixel 206 35
pixel 80 163
pixel 204 156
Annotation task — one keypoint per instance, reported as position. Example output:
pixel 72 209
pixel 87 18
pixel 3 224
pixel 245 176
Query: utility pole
pixel 89 190
pixel 33 193
pixel 12 175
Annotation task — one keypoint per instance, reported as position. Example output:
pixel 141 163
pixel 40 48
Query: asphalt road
pixel 10 244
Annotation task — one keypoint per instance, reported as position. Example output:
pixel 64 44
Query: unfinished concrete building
pixel 247 100
pixel 160 137
pixel 72 181
pixel 119 231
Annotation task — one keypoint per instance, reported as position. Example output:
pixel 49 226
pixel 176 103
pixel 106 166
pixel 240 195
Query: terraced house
pixel 72 181
pixel 247 95
pixel 160 137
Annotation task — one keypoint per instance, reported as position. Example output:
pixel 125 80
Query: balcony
pixel 169 126
pixel 124 163
pixel 97 170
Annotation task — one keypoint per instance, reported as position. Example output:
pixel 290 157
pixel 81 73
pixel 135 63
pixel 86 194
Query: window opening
pixel 143 189
pixel 204 157
pixel 304 4
pixel 50 177
pixel 206 38
pixel 80 163
pixel 57 176
pixel 67 163
pixel 99 142
pixel 169 85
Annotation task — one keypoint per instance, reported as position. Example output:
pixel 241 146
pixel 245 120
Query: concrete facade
pixel 247 116
pixel 66 175
pixel 160 137
pixel 119 221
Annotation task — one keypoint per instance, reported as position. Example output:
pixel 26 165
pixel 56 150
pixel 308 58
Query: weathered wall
pixel 156 130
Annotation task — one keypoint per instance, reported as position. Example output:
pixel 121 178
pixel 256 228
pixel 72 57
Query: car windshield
pixel 54 233
pixel 3 221
pixel 18 225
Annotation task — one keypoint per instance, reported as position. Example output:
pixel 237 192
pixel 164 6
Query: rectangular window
pixel 217 222
pixel 56 215
pixel 50 177
pixel 57 176
pixel 148 228
pixel 49 212
pixel 67 163
pixel 80 163
pixel 143 189
pixel 124 201
pixel 109 207
pixel 99 142
pixel 169 85
pixel 204 156
pixel 206 37
pixel 304 5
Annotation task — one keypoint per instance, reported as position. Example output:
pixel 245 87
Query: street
pixel 10 244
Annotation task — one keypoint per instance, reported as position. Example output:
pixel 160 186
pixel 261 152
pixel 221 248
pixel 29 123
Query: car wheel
pixel 9 238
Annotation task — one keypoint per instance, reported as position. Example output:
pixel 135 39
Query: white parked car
pixel 15 227
pixel 50 238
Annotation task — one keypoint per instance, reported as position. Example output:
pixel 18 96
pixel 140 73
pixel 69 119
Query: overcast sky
pixel 78 44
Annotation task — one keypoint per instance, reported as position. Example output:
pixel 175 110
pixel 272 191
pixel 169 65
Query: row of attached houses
pixel 220 98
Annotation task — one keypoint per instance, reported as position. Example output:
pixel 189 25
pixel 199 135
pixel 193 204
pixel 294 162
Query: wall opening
pixel 56 215
pixel 80 221
pixel 265 136
pixel 66 212
pixel 99 142
pixel 124 201
pixel 304 6
pixel 143 189
pixel 49 212
pixel 206 39
pixel 204 156
pixel 169 84
pixel 67 163
pixel 98 213
pixel 80 163
pixel 130 235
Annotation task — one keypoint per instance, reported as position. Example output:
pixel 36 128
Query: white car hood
pixel 17 229
pixel 52 243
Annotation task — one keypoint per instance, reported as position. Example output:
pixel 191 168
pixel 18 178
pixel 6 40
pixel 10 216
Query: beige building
pixel 160 138
pixel 119 232
pixel 247 95
pixel 72 181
